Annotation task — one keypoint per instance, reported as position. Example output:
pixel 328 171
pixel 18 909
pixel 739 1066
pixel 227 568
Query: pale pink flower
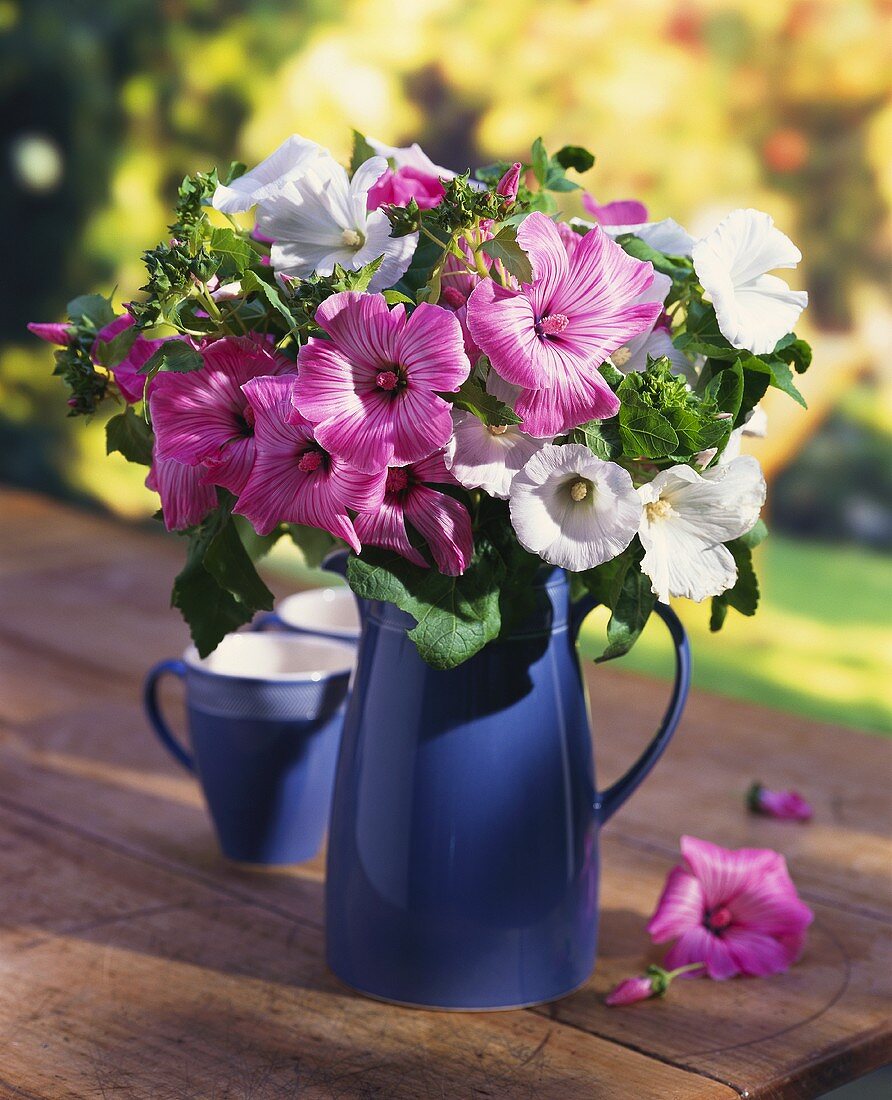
pixel 737 912
pixel 294 479
pixel 60 334
pixel 399 186
pixel 550 337
pixel 442 520
pixel 372 388
pixel 654 983
pixel 203 417
pixel 786 805
pixel 618 212
pixel 186 498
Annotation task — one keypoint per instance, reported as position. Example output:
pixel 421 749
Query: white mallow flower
pixel 289 162
pixel 756 426
pixel 321 219
pixel 573 509
pixel 688 516
pixel 488 458
pixel 665 236
pixel 754 309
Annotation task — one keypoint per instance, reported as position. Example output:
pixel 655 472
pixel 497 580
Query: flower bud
pixel 786 805
pixel 509 183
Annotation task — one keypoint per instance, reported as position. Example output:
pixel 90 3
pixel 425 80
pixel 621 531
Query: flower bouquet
pixel 438 372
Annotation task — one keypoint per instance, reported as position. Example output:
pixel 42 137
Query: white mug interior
pixel 332 610
pixel 278 657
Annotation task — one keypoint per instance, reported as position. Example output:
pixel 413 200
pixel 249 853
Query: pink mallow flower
pixel 372 389
pixel 737 912
pixel 293 479
pixel 129 381
pixel 619 212
pixel 203 417
pixel 441 519
pixel 654 982
pixel 54 333
pixel 787 805
pixel 399 186
pixel 550 337
pixel 185 497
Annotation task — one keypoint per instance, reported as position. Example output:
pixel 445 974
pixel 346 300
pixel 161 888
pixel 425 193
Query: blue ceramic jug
pixel 463 851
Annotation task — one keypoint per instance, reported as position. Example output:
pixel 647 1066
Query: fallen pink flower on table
pixel 737 912
pixel 786 805
pixel 653 983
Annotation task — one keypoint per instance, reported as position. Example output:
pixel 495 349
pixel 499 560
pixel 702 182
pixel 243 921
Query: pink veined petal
pixel 573 398
pixel 434 470
pixel 698 945
pixel 357 489
pixel 772 906
pixel 387 528
pixel 431 348
pixel 420 424
pixel 446 526
pixel 326 382
pixel 723 873
pixel 759 954
pixel 185 499
pixel 680 907
pixel 232 467
pixel 502 322
pixel 619 212
pixel 362 434
pixel 538 236
pixel 130 382
pixel 365 330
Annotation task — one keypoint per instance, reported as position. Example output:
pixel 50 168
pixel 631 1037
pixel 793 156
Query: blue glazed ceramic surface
pixel 263 748
pixel 463 854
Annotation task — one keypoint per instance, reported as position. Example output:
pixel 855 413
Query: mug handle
pixel 609 801
pixel 153 710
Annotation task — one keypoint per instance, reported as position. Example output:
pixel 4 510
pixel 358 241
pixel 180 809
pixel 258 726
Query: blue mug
pixel 265 713
pixel 322 612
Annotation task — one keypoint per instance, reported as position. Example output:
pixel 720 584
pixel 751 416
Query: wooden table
pixel 135 962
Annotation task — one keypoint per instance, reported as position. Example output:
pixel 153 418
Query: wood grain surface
pixel 136 962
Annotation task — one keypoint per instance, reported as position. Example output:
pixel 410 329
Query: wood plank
pixel 794 1035
pixel 119 982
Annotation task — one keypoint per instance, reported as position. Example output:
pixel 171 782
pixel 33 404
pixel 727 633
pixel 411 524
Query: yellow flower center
pixel 579 489
pixel 497 429
pixel 352 238
pixel 658 509
pixel 621 356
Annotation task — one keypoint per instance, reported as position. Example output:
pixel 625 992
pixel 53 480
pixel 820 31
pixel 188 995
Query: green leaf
pixel 92 308
pixel 602 437
pixel 110 353
pixel 702 334
pixel 129 435
pixel 779 372
pixel 540 160
pixel 176 356
pixel 612 376
pixel 555 180
pixel 633 603
pixel 724 390
pixel 744 596
pixel 644 432
pixel 239 252
pixel 253 283
pixel 396 297
pixel 794 351
pixel 575 157
pixel 218 590
pixel 503 246
pixel 755 536
pixel 473 397
pixel 634 246
pixel 455 616
pixel 358 280
pixel 362 151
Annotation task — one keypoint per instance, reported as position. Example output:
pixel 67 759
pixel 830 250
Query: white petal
pixel 679 564
pixel 410 156
pixel 656 292
pixel 506 392
pixel 397 251
pixel 757 425
pixel 656 344
pixel 666 236
pixel 754 309
pixel 480 460
pixel 364 179
pixel 288 162
pixel 572 534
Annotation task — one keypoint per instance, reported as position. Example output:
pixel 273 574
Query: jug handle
pixel 609 801
pixel 336 562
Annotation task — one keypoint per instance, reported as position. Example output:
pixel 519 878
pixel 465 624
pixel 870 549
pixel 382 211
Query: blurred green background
pixel 694 107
